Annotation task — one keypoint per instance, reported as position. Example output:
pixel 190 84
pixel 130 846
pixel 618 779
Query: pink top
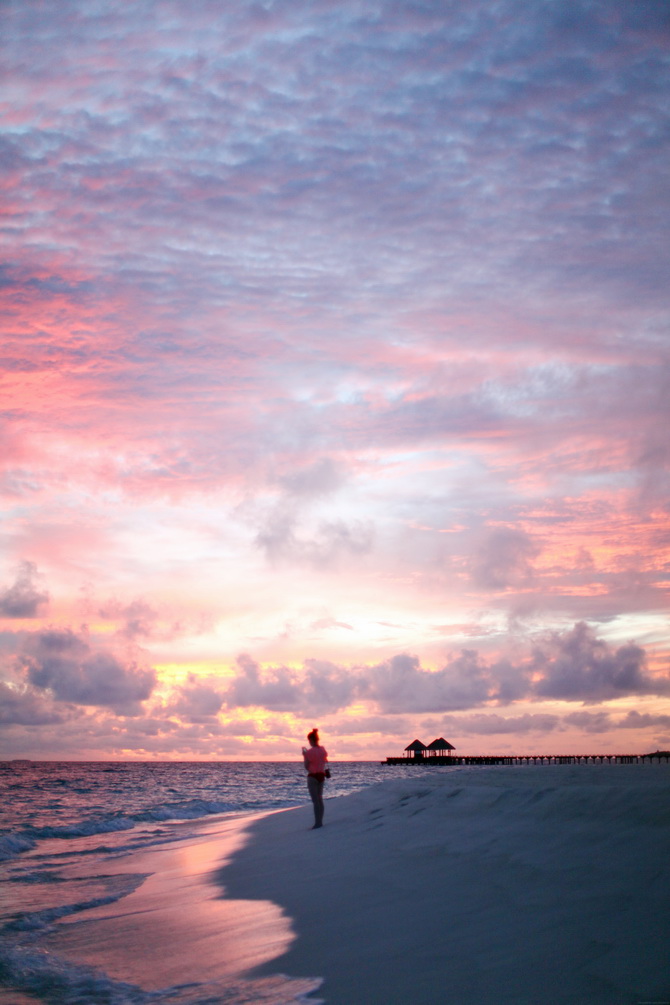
pixel 315 759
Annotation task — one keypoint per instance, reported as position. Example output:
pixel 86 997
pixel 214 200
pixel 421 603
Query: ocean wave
pixel 13 845
pixel 36 920
pixel 191 809
pixel 47 977
pixel 84 828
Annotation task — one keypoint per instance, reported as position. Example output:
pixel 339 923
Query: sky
pixel 334 377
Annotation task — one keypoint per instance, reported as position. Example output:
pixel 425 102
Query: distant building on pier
pixel 440 748
pixel 418 751
pixel 415 750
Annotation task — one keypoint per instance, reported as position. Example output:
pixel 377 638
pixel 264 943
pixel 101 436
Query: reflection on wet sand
pixel 175 927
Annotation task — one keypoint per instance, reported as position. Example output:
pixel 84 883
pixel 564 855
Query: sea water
pixel 61 822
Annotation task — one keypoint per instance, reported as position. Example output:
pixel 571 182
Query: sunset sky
pixel 334 377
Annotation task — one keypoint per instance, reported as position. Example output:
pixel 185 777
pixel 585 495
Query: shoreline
pixel 174 928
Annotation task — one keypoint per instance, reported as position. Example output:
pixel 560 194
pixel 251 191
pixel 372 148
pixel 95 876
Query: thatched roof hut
pixel 440 746
pixel 416 749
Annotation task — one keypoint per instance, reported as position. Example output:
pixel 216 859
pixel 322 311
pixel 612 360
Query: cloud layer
pixel 574 666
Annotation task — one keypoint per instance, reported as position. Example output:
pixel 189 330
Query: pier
pixel 439 752
pixel 489 759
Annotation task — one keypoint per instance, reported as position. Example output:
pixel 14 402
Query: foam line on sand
pixel 512 886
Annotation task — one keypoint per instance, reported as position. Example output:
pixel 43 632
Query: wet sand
pixel 175 927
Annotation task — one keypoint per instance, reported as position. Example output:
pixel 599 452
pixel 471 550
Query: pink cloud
pixel 25 598
pixel 64 664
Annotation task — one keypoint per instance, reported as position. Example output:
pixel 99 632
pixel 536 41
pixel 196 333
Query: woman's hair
pixel 313 737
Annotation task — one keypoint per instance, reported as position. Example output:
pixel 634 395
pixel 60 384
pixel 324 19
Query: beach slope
pixel 468 887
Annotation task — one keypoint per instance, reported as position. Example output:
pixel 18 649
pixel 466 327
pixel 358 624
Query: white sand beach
pixel 499 885
pixel 471 886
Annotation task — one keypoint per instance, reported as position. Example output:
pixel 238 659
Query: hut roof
pixel 440 744
pixel 416 745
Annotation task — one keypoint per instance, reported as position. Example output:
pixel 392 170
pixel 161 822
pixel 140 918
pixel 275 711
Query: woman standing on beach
pixel 315 758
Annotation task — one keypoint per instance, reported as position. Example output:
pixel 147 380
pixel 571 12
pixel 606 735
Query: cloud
pixel 465 681
pixel 400 685
pixel 323 477
pixel 318 688
pixel 489 725
pixel 321 624
pixel 196 700
pixel 504 559
pixel 590 722
pixel 21 705
pixel 541 722
pixel 577 666
pixel 380 724
pixel 59 661
pixel 643 720
pixel 572 666
pixel 24 599
pixel 329 542
pixel 601 722
pixel 138 617
pixel 277 689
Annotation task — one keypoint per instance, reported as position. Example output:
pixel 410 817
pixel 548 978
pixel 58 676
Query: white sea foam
pixel 51 979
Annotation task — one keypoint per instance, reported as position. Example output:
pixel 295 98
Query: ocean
pixel 66 826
